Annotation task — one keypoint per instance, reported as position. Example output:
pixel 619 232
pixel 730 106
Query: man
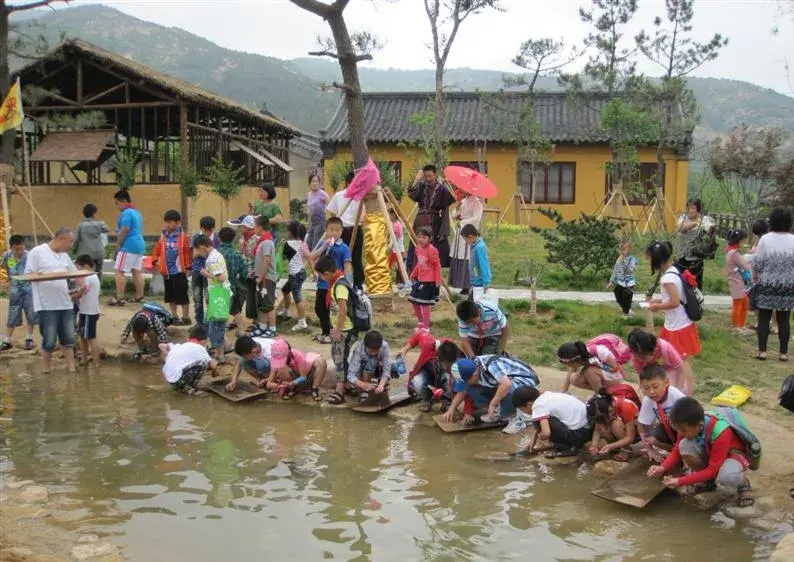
pixel 335 206
pixel 434 200
pixel 52 300
pixel 482 328
pixel 129 248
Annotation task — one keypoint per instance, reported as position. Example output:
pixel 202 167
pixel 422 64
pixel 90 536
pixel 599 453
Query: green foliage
pixel 297 210
pixel 424 147
pixel 584 244
pixel 225 180
pixel 337 172
pixel 125 167
pixel 389 180
pixel 188 178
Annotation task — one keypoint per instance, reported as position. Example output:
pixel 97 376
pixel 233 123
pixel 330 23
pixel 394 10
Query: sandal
pixel 116 302
pixel 746 497
pixel 562 453
pixel 335 398
pixel 138 300
pixel 783 358
pixel 316 395
pixel 322 338
pixel 363 397
pixel 761 356
pixel 289 394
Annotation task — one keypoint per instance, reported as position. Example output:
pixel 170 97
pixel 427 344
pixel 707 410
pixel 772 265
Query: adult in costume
pixel 434 200
pixel 469 211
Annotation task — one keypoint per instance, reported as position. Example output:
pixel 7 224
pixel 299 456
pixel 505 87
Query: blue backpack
pixel 165 317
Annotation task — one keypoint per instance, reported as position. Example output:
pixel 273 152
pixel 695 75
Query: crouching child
pixel 428 379
pixel 292 370
pixel 253 357
pixel 656 430
pixel 186 363
pixel 148 326
pixel 559 418
pixel 370 365
pixel 614 420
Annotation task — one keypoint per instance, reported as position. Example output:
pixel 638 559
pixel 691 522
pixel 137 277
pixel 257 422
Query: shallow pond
pixel 171 477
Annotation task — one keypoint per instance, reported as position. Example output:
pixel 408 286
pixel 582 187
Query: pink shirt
pixel 734 261
pixel 428 265
pixel 665 352
pixel 301 363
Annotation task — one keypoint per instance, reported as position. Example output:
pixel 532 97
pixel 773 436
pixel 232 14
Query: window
pixel 646 173
pixel 555 183
pixel 473 164
pixel 394 165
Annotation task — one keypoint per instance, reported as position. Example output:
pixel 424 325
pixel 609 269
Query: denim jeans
pixel 56 326
pixel 216 332
pixel 257 367
pixel 482 396
pixel 199 283
pixel 420 381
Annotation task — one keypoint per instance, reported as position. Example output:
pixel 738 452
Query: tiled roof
pixel 474 116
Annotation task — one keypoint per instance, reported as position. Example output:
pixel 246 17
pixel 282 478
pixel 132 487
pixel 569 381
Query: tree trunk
pixel 438 118
pixel 533 291
pixel 7 143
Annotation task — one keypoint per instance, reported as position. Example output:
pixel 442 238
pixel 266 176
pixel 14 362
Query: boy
pixel 479 266
pixel 482 328
pixel 711 451
pixel 291 370
pixel 198 281
pixel 559 418
pixel 248 245
pixel 238 273
pixel 88 311
pixel 490 381
pixel 90 237
pixel 185 363
pixel 656 430
pixel 145 324
pixel 171 253
pixel 369 360
pixel 331 245
pixel 20 293
pixel 343 336
pixel 214 272
pixel 427 377
pixel 266 278
pixel 253 357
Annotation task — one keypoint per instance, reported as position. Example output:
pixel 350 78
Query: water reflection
pixel 181 478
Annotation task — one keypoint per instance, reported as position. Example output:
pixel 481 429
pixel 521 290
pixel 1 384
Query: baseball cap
pixel 461 373
pixel 278 354
pixel 248 221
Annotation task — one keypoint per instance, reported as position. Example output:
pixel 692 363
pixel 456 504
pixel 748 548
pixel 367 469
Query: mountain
pixel 293 89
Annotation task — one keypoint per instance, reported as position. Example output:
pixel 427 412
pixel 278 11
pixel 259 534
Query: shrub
pixel 297 210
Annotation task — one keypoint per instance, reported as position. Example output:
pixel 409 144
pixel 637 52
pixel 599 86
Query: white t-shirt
pixel 49 295
pixel 648 415
pixel 265 344
pixel 216 265
pixel 183 355
pixel 676 318
pixel 296 264
pixel 338 202
pixel 89 302
pixel 568 409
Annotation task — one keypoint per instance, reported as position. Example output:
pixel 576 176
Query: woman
pixel 691 228
pixel 773 274
pixel 470 211
pixel 267 206
pixel 316 203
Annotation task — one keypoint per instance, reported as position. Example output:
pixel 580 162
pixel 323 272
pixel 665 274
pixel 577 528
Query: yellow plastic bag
pixel 733 396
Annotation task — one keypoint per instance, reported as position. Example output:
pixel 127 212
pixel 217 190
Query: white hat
pixel 248 222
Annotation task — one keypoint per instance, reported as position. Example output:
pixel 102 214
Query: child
pixel 198 281
pixel 266 278
pixel 589 367
pixel 710 450
pixel 88 311
pixel 678 328
pixel 249 243
pixel 647 349
pixel 145 324
pixel 479 265
pixel 398 248
pixel 343 335
pixel 186 363
pixel 737 269
pixel 333 246
pixel 253 357
pixel 615 420
pixel 296 254
pixel 237 270
pixel 370 361
pixel 559 418
pixel 215 273
pixel 292 370
pixel 20 294
pixel 482 328
pixel 426 278
pixel 426 375
pixel 171 253
pixel 91 237
pixel 656 430
pixel 623 278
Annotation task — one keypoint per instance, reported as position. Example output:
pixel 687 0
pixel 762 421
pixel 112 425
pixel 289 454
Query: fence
pixel 725 221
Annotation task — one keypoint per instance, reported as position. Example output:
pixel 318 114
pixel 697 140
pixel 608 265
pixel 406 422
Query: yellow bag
pixel 733 396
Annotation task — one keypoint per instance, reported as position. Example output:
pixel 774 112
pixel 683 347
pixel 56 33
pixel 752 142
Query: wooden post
pixel 6 217
pixel 356 224
pixel 382 203
pixel 26 180
pixel 183 160
pixel 36 212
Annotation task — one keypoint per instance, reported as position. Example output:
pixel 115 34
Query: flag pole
pixel 26 180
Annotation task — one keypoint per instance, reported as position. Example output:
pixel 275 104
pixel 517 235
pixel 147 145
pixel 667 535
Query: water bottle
pixel 401 365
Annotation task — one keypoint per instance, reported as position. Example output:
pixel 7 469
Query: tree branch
pixel 319 8
pixel 32 5
pixel 333 55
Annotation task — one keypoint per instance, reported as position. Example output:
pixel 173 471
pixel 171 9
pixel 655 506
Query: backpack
pixel 165 317
pixel 693 299
pixel 619 349
pixel 359 307
pixel 786 397
pixel 518 367
pixel 731 417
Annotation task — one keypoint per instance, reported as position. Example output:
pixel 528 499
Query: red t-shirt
pixel 719 450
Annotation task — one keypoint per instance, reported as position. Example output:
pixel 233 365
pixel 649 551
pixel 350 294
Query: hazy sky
pixel 280 29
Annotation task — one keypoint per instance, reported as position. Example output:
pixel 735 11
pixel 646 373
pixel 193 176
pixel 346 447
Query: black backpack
pixel 786 397
pixel 693 300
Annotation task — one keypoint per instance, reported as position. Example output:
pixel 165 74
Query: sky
pixel 761 35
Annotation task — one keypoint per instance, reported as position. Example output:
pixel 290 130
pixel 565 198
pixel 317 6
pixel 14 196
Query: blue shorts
pixel 294 285
pixel 216 333
pixel 86 326
pixel 56 326
pixel 257 367
pixel 17 305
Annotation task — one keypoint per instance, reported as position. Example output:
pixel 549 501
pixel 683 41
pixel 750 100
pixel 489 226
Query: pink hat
pixel 279 352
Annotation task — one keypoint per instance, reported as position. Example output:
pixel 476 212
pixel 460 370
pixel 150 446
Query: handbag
pixel 219 297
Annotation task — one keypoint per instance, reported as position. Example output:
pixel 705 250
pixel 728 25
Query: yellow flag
pixel 11 114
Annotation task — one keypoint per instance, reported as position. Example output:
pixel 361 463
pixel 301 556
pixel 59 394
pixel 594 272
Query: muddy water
pixel 172 478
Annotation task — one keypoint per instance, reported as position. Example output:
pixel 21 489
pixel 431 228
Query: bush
pixel 586 244
pixel 297 210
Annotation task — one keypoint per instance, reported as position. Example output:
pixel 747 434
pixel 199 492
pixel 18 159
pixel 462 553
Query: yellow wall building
pixel 481 128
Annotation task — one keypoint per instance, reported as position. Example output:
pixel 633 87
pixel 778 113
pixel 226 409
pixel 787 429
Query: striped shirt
pixel 154 324
pixel 623 272
pixel 490 323
pixel 492 368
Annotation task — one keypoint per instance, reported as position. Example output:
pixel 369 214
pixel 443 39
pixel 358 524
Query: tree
pixel 446 17
pixel 225 181
pixel 343 48
pixel 672 103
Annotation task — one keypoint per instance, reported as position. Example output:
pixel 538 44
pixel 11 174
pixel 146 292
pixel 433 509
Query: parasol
pixel 470 181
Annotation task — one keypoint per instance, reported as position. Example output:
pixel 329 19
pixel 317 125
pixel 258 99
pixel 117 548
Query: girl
pixel 470 211
pixel 590 369
pixel 316 202
pixel 426 278
pixel 399 248
pixel 296 254
pixel 737 268
pixel 292 370
pixel 678 328
pixel 615 420
pixel 647 349
pixel 623 279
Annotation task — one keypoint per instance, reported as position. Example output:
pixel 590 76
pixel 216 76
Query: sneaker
pixel 487 418
pixel 516 425
pixel 282 313
pixel 5 346
pixel 300 326
pixel 29 344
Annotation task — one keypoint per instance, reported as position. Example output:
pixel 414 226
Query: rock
pixel 34 494
pixel 784 551
pixel 19 484
pixel 92 550
pixel 766 502
pixel 15 553
pixel 736 512
pixel 765 524
pixel 44 558
pixel 607 469
pixel 87 539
